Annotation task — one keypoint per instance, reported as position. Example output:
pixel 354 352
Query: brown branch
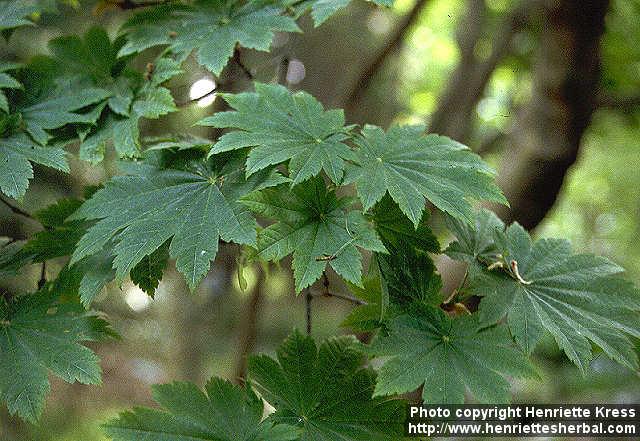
pixel 341 296
pixel 377 62
pixel 308 297
pixel 248 342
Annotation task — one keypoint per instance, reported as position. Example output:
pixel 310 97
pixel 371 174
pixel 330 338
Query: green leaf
pixel 16 154
pixel 325 391
pixel 284 126
pixel 576 297
pixel 211 28
pixel 374 293
pixel 321 10
pixel 413 167
pixel 317 227
pixel 13 13
pixel 447 355
pixel 410 276
pixel 38 336
pixel 396 230
pixel 140 213
pixel 224 412
pixel 61 110
pixel 148 272
pixel 474 242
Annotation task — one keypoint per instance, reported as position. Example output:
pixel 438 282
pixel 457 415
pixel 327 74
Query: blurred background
pixel 547 91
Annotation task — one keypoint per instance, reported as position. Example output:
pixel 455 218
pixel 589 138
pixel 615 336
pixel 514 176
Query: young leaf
pixel 16 154
pixel 281 127
pixel 38 336
pixel 224 412
pixel 542 285
pixel 325 391
pixel 211 28
pixel 447 355
pixel 140 213
pixel 413 167
pixel 317 227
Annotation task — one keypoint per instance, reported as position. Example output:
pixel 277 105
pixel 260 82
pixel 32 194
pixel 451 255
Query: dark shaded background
pixel 547 91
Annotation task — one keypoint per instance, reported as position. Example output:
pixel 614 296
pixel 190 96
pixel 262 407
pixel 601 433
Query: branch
pixel 308 297
pixel 367 75
pixel 341 296
pixel 17 210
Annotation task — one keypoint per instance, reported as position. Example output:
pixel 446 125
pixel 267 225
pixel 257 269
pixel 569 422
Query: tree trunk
pixel 545 139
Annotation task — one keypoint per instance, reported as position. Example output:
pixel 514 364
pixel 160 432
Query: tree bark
pixel 546 136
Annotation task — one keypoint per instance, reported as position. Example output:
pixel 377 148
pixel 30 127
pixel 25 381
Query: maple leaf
pixel 139 213
pixel 321 10
pixel 148 272
pixel 410 276
pixel 211 28
pixel 224 412
pixel 38 336
pixel 13 13
pixel 474 242
pixel 396 230
pixel 375 295
pixel 59 238
pixel 413 168
pixel 317 227
pixel 542 286
pixel 283 126
pixel 16 154
pixel 7 82
pixel 59 110
pixel 325 391
pixel 447 355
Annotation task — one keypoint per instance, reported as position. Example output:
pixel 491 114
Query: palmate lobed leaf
pixel 317 227
pixel 37 336
pixel 447 356
pixel 542 286
pixel 211 28
pixel 139 213
pixel 224 412
pixel 325 391
pixel 17 152
pixel 13 13
pixel 414 168
pixel 284 127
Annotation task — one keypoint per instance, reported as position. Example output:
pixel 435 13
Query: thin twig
pixel 17 210
pixel 341 296
pixel 43 275
pixel 308 298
